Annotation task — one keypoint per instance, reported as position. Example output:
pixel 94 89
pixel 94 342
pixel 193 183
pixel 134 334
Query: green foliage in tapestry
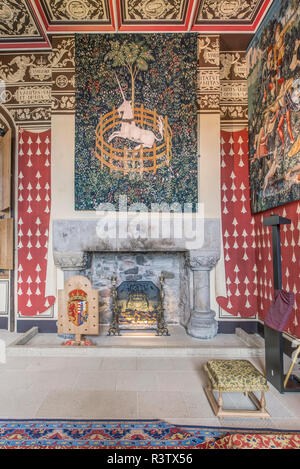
pixel 152 159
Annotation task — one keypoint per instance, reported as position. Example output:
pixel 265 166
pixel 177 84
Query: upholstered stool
pixel 235 376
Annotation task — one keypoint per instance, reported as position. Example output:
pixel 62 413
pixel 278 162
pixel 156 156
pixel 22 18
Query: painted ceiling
pixel 29 24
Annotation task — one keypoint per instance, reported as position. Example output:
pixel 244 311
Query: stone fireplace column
pixel 202 324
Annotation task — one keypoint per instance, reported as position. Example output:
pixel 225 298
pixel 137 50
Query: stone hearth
pixel 79 250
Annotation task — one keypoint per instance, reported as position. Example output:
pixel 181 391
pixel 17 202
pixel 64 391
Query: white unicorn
pixel 130 130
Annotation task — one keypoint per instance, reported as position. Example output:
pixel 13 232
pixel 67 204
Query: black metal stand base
pixel 273 338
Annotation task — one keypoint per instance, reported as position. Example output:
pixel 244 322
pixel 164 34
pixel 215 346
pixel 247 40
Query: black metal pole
pixel 273 338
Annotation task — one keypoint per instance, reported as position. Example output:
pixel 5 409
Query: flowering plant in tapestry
pixel 274 108
pixel 136 119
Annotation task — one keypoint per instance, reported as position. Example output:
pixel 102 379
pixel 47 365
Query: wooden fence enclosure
pixel 133 160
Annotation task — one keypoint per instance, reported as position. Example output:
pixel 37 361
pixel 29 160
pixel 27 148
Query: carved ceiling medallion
pixel 154 9
pixel 6 13
pixel 77 9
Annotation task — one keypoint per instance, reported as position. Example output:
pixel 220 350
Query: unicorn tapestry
pixel 136 120
pixel 274 108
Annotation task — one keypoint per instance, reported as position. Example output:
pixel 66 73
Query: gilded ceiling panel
pixel 147 11
pixel 76 10
pixel 229 11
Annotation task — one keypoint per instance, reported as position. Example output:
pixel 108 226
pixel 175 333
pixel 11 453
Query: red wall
pixel 248 244
pixel 34 206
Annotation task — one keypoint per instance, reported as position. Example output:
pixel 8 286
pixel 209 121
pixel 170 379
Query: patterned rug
pixel 135 434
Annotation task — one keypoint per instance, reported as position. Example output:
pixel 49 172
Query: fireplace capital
pixel 202 260
pixel 71 260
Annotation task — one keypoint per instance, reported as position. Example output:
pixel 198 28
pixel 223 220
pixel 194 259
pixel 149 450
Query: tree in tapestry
pixel 274 108
pixel 136 119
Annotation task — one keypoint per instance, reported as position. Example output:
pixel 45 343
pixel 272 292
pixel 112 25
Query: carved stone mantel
pixel 72 261
pixel 75 241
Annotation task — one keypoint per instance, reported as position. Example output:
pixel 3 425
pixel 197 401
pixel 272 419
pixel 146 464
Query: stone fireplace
pixel 78 250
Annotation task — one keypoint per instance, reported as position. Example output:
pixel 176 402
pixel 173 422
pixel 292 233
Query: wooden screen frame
pixel 6 244
pixel 5 171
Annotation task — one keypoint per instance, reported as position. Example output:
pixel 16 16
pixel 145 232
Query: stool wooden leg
pixel 263 401
pixel 220 401
pixel 77 338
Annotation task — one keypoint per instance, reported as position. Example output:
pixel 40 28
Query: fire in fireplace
pixel 138 305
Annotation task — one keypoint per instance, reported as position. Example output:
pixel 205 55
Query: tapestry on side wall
pixel 274 108
pixel 136 119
